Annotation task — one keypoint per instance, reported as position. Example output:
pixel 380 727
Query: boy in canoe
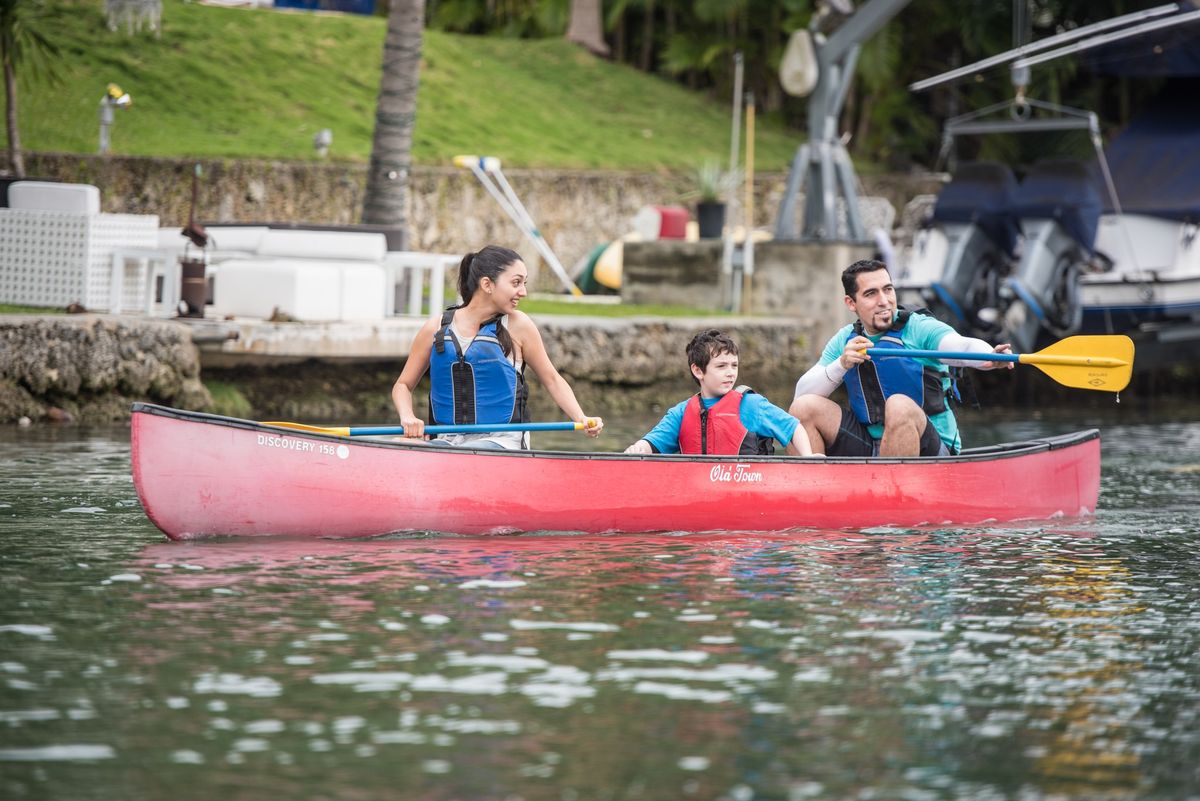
pixel 722 418
pixel 898 406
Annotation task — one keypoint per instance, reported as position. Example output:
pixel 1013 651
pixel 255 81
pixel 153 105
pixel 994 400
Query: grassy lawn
pixel 245 83
pixel 529 306
pixel 11 308
pixel 547 306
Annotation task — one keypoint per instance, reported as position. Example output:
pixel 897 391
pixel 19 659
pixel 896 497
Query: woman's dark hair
pixel 487 262
pixel 706 345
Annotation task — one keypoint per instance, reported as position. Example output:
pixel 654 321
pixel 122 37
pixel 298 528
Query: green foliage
pixel 258 84
pixel 24 36
pixel 713 184
pixel 515 18
pixel 228 400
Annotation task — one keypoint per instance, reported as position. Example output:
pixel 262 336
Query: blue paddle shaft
pixel 944 354
pixel 485 428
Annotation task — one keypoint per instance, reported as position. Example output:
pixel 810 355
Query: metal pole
pixel 106 121
pixel 747 243
pixel 731 207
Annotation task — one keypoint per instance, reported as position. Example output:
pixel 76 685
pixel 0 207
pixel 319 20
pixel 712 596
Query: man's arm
pixel 821 379
pixel 957 342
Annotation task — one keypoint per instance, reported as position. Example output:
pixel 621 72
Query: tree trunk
pixel 395 113
pixel 619 39
pixel 646 63
pixel 15 160
pixel 586 27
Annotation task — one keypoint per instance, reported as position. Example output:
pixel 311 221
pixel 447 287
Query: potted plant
pixel 712 186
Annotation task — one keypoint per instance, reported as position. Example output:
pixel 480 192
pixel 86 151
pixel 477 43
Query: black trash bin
pixel 193 288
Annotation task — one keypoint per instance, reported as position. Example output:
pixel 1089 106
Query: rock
pixel 90 368
pixel 57 415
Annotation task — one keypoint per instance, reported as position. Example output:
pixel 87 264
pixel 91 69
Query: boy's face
pixel 719 377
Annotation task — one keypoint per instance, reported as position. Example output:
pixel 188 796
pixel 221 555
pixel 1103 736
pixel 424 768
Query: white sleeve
pixel 957 342
pixel 821 379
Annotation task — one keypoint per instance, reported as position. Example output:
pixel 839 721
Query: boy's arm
pixel 767 420
pixel 827 374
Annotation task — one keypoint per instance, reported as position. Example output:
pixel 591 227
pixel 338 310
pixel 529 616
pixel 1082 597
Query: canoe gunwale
pixel 999 451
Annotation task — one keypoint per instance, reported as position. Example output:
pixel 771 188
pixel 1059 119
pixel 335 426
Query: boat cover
pixel 1067 191
pixel 1155 162
pixel 982 192
pixel 1173 51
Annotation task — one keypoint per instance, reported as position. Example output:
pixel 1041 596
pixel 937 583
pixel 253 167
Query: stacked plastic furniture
pixel 306 275
pixel 58 249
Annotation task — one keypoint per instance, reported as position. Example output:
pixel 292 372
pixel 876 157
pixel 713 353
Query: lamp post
pixel 113 97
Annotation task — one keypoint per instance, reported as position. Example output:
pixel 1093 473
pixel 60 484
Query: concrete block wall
pixel 449 212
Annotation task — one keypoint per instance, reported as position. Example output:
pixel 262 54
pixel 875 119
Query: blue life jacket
pixel 871 383
pixel 475 385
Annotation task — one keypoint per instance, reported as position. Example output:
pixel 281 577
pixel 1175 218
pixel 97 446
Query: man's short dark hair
pixel 851 273
pixel 707 344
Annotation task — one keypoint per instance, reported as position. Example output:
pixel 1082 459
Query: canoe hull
pixel 202 475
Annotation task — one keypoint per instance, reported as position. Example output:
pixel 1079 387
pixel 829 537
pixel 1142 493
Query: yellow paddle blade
pixel 335 431
pixel 1100 362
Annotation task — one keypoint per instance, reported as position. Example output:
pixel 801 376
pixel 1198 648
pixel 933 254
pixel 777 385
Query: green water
pixel 1055 660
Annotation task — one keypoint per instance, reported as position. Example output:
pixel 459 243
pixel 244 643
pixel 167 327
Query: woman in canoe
pixel 476 353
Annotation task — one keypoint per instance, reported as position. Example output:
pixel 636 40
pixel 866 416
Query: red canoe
pixel 202 475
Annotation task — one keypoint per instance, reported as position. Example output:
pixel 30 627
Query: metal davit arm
pixel 821 165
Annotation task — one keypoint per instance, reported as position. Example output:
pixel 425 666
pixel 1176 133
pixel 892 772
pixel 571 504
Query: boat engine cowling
pixel 961 258
pixel 1059 203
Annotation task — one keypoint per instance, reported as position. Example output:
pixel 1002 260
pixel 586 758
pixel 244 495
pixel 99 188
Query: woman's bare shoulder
pixel 519 321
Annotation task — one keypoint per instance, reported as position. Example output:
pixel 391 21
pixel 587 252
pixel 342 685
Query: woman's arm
pixel 525 333
pixel 414 368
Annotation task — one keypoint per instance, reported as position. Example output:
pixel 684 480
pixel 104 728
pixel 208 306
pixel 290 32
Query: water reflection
pixel 715 667
pixel 1046 661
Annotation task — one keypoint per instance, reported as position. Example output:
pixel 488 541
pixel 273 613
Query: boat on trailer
pixel 202 475
pixel 1101 247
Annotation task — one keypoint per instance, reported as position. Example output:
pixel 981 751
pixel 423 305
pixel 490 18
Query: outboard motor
pixel 1059 204
pixel 962 257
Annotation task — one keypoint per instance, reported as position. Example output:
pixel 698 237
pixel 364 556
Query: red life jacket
pixel 718 430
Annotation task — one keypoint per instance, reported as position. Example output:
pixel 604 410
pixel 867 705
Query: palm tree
pixel 586 27
pixel 20 41
pixel 395 113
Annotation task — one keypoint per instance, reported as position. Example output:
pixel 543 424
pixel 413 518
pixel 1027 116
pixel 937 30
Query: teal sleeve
pixel 835 346
pixel 766 419
pixel 924 332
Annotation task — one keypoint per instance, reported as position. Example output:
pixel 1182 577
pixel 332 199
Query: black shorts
pixel 853 439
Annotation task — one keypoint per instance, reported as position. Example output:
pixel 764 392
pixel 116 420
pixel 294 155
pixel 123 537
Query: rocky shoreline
pixel 90 368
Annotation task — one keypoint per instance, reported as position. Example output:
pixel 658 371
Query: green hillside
pixel 259 83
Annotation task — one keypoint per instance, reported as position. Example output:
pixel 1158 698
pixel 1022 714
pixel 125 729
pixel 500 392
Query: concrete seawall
pixel 89 368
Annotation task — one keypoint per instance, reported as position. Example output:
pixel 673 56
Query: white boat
pixel 1100 248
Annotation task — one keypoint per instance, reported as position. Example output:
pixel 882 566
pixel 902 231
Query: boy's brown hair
pixel 707 344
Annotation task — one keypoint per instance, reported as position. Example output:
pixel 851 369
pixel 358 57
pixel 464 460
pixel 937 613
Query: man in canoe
pixel 898 406
pixel 722 418
pixel 476 354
